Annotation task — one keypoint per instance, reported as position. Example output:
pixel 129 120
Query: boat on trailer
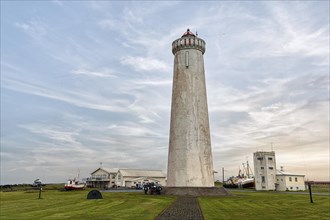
pixel 74 184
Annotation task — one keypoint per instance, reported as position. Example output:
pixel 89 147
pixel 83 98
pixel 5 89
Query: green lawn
pixel 265 205
pixel 64 205
pixel 241 205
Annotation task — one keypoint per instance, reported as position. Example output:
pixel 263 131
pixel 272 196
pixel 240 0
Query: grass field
pixel 247 205
pixel 265 205
pixel 65 205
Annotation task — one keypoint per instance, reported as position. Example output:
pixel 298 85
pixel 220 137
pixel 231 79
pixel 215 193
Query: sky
pixel 86 84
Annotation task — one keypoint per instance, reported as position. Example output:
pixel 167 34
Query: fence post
pixel 310 192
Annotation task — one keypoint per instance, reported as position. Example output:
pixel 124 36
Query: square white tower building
pixel 264 170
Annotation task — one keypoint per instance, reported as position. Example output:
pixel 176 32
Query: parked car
pixel 152 188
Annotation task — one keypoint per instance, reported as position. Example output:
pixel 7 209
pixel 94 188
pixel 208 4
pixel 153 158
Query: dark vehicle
pixel 138 186
pixel 152 188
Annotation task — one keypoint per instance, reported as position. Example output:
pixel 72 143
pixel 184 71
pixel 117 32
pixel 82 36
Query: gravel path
pixel 184 208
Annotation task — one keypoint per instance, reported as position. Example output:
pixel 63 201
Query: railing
pixel 98 179
pixel 187 43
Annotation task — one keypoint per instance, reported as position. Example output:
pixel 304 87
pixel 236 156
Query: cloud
pixel 145 64
pixel 105 73
pixel 299 38
pixel 34 28
pixel 51 132
pixel 79 98
pixel 57 2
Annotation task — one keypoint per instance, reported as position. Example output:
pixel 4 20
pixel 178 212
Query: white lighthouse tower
pixel 189 157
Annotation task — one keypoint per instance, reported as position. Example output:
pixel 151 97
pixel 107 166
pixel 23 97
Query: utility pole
pixel 223 175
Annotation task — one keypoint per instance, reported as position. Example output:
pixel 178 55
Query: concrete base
pixel 195 191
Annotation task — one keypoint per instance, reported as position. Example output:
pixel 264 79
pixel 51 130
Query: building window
pixel 262 179
pixel 296 179
pixel 290 179
pixel 291 187
pixel 271 168
pixel 270 158
pixel 260 158
pixel 262 168
pixel 264 187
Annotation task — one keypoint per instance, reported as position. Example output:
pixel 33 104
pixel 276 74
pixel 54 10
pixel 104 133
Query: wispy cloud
pixel 145 64
pixel 78 98
pixel 34 28
pixel 105 73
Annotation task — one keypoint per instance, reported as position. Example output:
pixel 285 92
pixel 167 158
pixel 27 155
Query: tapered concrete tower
pixel 189 157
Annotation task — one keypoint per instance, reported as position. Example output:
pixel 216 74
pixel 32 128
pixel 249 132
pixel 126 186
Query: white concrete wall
pixel 291 183
pixel 104 177
pixel 264 169
pixel 100 173
pixel 128 181
pixel 281 183
pixel 159 180
pixel 190 157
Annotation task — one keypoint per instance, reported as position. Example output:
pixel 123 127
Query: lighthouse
pixel 189 156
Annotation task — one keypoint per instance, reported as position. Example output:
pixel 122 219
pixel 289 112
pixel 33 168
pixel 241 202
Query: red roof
pixel 188 33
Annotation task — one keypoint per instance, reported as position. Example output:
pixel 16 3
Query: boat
pixel 74 184
pixel 244 179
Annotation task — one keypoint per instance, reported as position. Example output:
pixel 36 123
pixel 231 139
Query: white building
pixel 133 177
pixel 267 177
pixel 102 178
pixel 289 182
pixel 264 170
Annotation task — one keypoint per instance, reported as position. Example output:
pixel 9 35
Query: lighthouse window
pixel 262 179
pixel 271 168
pixel 296 179
pixel 187 59
pixel 270 158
